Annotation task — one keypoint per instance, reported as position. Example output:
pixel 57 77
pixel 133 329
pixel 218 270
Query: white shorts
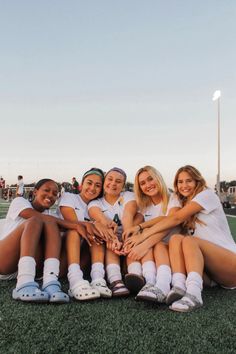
pixel 8 276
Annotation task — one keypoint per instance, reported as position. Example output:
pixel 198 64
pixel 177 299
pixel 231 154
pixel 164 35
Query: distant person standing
pixel 2 186
pixel 20 187
pixel 75 186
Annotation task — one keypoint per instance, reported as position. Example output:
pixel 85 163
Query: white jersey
pixel 154 211
pixel 13 218
pixel 75 202
pixel 109 210
pixel 214 227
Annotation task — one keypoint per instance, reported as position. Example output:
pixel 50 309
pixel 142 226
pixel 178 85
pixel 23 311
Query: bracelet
pixel 140 228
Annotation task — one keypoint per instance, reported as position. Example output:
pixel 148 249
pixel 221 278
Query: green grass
pixel 118 325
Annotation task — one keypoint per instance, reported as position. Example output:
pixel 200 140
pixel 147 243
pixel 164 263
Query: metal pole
pixel 218 171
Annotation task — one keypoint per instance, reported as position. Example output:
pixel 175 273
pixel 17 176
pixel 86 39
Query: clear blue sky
pixel 116 83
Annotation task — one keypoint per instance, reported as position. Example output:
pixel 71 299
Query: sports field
pixel 118 326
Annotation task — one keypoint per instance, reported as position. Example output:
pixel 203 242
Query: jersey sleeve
pixel 94 203
pixel 17 206
pixel 128 197
pixel 67 199
pixel 207 199
pixel 173 202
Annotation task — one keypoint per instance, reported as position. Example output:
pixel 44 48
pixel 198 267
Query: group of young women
pixel 158 245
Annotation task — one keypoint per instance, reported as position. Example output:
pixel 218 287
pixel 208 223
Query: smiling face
pixel 91 188
pixel 149 186
pixel 186 184
pixel 45 196
pixel 114 183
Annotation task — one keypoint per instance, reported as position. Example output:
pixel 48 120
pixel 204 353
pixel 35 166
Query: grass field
pixel 118 326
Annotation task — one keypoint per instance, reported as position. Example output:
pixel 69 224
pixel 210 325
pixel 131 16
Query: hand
pixel 138 252
pixel 107 234
pixel 132 242
pixel 81 229
pixel 92 234
pixel 133 230
pixel 112 225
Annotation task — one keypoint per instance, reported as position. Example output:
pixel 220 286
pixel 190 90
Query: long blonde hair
pixel 144 200
pixel 200 186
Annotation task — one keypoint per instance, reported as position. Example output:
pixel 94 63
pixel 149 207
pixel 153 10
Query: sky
pixel 116 83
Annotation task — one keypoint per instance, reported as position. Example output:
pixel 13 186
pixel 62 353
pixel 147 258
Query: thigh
pixel 219 262
pixel 10 250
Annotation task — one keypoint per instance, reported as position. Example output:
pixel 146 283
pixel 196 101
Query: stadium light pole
pixel 216 97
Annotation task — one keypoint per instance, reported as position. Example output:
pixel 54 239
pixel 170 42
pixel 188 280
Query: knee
pixel 188 242
pixel 159 246
pixel 175 240
pixel 35 221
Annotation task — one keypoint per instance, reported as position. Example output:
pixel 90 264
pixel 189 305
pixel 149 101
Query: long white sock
pixel 113 272
pixel 97 271
pixel 75 274
pixel 50 270
pixel 163 278
pixel 179 280
pixel 149 272
pixel 26 270
pixel 135 268
pixel 194 284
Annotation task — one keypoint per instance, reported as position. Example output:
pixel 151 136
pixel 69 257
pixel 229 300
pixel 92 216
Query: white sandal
pixel 83 291
pixel 188 303
pixel 101 286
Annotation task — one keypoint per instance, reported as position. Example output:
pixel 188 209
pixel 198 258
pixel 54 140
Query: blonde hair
pixel 200 186
pixel 144 200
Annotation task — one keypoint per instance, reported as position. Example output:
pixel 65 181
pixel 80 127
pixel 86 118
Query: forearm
pixel 154 239
pixel 151 222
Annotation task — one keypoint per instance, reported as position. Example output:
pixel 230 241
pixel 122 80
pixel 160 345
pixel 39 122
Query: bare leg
pixel 73 247
pixel 176 254
pixel 23 241
pixel 219 262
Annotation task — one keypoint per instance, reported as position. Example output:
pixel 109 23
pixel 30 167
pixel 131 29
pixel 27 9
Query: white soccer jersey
pixel 214 226
pixel 154 211
pixel 109 210
pixel 13 219
pixel 75 202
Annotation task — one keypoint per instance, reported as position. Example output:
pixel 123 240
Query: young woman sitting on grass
pixel 116 209
pixel 29 237
pixel 154 201
pixel 74 208
pixel 207 245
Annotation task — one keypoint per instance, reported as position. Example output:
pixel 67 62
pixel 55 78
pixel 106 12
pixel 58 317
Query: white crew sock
pixel 74 274
pixel 26 270
pixel 194 284
pixel 179 280
pixel 50 270
pixel 149 272
pixel 97 271
pixel 135 268
pixel 163 278
pixel 113 272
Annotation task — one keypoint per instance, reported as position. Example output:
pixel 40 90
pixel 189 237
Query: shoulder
pixel 96 203
pixel 127 196
pixel 207 199
pixel 68 199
